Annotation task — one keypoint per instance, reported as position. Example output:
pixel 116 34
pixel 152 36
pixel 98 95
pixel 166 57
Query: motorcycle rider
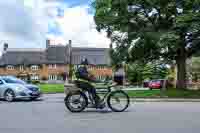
pixel 84 81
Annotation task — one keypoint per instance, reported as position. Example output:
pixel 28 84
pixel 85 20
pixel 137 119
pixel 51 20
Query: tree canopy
pixel 149 30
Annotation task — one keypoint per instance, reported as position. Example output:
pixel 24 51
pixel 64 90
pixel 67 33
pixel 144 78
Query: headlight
pixel 19 88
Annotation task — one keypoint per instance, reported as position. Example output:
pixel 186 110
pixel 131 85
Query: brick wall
pixel 101 72
pixel 5 71
pixel 58 70
pixel 2 70
pixel 26 70
pixel 44 71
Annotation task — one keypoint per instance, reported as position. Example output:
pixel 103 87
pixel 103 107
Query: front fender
pixel 12 88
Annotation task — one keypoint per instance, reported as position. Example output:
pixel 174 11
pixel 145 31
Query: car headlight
pixel 19 88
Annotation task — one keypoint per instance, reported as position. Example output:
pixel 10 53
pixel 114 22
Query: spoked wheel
pixel 76 102
pixel 118 101
pixel 9 95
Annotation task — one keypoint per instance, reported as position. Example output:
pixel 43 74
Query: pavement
pixel 49 115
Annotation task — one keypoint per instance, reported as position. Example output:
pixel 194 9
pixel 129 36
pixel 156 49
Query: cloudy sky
pixel 28 23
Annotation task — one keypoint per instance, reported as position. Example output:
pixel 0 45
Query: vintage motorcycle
pixel 114 97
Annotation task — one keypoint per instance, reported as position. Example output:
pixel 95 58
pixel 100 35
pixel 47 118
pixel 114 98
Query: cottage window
pixel 52 66
pixel 52 77
pixel 100 77
pixel 21 68
pixel 34 67
pixel 10 67
pixel 35 77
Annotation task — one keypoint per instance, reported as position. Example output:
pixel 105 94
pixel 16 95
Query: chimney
pixel 5 47
pixel 48 42
pixel 70 48
pixel 70 61
pixel 70 43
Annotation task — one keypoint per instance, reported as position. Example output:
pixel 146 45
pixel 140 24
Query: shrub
pixel 35 82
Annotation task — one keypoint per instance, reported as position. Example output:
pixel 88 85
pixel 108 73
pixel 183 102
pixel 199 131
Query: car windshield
pixel 13 81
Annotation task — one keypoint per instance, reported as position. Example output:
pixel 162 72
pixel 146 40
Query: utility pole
pixel 70 61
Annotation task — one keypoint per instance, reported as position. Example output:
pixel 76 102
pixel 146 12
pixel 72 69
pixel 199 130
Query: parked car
pixel 156 84
pixel 12 88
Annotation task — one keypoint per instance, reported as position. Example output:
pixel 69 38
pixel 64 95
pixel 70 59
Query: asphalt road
pixel 51 116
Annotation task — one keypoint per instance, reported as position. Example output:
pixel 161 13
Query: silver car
pixel 12 88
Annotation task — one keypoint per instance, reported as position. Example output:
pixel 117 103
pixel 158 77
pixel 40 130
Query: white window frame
pixel 21 67
pixel 52 66
pixel 10 67
pixel 35 77
pixel 34 67
pixel 52 77
pixel 100 77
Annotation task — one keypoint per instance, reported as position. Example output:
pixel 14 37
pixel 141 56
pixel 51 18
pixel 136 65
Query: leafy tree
pixel 164 29
pixel 134 73
pixel 139 72
pixel 193 68
pixel 155 70
pixel 196 64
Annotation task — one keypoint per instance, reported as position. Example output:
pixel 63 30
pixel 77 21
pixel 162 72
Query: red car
pixel 156 84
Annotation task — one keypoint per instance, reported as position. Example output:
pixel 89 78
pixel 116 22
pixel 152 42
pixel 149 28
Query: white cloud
pixel 20 25
pixel 79 26
pixel 26 24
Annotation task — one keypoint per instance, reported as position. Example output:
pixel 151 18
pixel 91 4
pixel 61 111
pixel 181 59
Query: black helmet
pixel 84 61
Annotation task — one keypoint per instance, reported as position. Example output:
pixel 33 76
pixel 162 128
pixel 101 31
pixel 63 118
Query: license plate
pixel 35 93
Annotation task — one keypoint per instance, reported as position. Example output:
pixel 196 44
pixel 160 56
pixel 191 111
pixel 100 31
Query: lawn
pixel 52 88
pixel 170 93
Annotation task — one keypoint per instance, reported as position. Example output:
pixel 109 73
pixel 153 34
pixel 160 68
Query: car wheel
pixel 9 95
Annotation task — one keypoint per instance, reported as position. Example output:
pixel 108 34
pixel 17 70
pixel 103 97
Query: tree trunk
pixel 181 71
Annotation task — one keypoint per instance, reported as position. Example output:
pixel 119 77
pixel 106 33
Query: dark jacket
pixel 82 73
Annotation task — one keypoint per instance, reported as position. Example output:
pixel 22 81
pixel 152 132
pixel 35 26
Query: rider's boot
pixel 99 104
pixel 91 105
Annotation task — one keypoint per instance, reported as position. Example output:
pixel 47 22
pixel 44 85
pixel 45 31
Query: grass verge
pixel 51 88
pixel 170 93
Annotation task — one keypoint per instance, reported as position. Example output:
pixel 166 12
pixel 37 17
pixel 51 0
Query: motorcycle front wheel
pixel 76 102
pixel 118 101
